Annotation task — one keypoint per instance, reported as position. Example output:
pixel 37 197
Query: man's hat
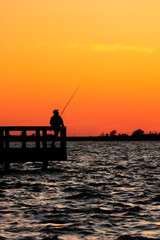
pixel 55 111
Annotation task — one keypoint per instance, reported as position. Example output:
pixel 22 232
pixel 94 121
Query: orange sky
pixel 111 49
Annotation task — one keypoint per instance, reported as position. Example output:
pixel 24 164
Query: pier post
pixel 45 162
pixel 6 165
pixel 1 139
pixel 63 142
pixel 44 165
pixel 44 139
pixel 7 139
pixel 24 139
pixel 37 138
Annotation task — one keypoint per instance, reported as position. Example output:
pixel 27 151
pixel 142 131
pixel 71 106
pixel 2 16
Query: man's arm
pixel 62 122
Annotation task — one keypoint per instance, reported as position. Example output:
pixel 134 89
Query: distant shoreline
pixel 145 137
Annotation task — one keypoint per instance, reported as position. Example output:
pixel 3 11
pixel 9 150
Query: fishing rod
pixel 69 100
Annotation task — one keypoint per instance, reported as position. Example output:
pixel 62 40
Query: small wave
pixel 120 167
pixel 18 185
pixel 81 195
pixel 156 198
pixel 4 184
pixel 135 209
pixel 2 193
pixel 55 221
pixel 2 238
pixel 128 237
pixel 54 237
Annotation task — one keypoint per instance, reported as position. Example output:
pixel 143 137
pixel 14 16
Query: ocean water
pixel 105 190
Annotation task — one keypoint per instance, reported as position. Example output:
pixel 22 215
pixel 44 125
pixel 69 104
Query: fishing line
pixel 69 100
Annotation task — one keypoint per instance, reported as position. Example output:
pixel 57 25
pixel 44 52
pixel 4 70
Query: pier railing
pixel 40 135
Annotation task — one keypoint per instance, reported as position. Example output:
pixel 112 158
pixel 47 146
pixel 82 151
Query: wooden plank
pixel 27 128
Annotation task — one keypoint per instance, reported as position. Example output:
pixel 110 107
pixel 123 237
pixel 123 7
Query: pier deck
pixel 31 144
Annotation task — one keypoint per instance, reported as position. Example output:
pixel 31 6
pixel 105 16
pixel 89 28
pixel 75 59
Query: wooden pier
pixel 31 144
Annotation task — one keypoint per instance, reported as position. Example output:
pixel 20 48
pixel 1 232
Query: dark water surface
pixel 105 190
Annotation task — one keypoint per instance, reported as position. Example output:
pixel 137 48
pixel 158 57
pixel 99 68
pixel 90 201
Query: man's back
pixel 56 121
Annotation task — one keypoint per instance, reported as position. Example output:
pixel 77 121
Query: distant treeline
pixel 137 135
pixel 120 137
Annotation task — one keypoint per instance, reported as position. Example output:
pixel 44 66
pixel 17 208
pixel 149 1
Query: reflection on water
pixel 105 190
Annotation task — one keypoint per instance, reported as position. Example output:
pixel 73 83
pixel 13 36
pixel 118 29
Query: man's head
pixel 55 112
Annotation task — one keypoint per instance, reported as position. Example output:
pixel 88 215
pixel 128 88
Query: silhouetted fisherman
pixel 56 123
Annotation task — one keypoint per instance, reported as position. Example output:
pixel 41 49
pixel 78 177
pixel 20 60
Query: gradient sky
pixel 111 49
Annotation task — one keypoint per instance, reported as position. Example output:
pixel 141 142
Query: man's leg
pixel 56 132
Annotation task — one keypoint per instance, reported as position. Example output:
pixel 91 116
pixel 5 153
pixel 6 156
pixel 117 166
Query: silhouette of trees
pixel 138 133
pixel 113 133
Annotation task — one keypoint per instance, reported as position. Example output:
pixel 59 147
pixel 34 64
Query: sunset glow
pixel 109 49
